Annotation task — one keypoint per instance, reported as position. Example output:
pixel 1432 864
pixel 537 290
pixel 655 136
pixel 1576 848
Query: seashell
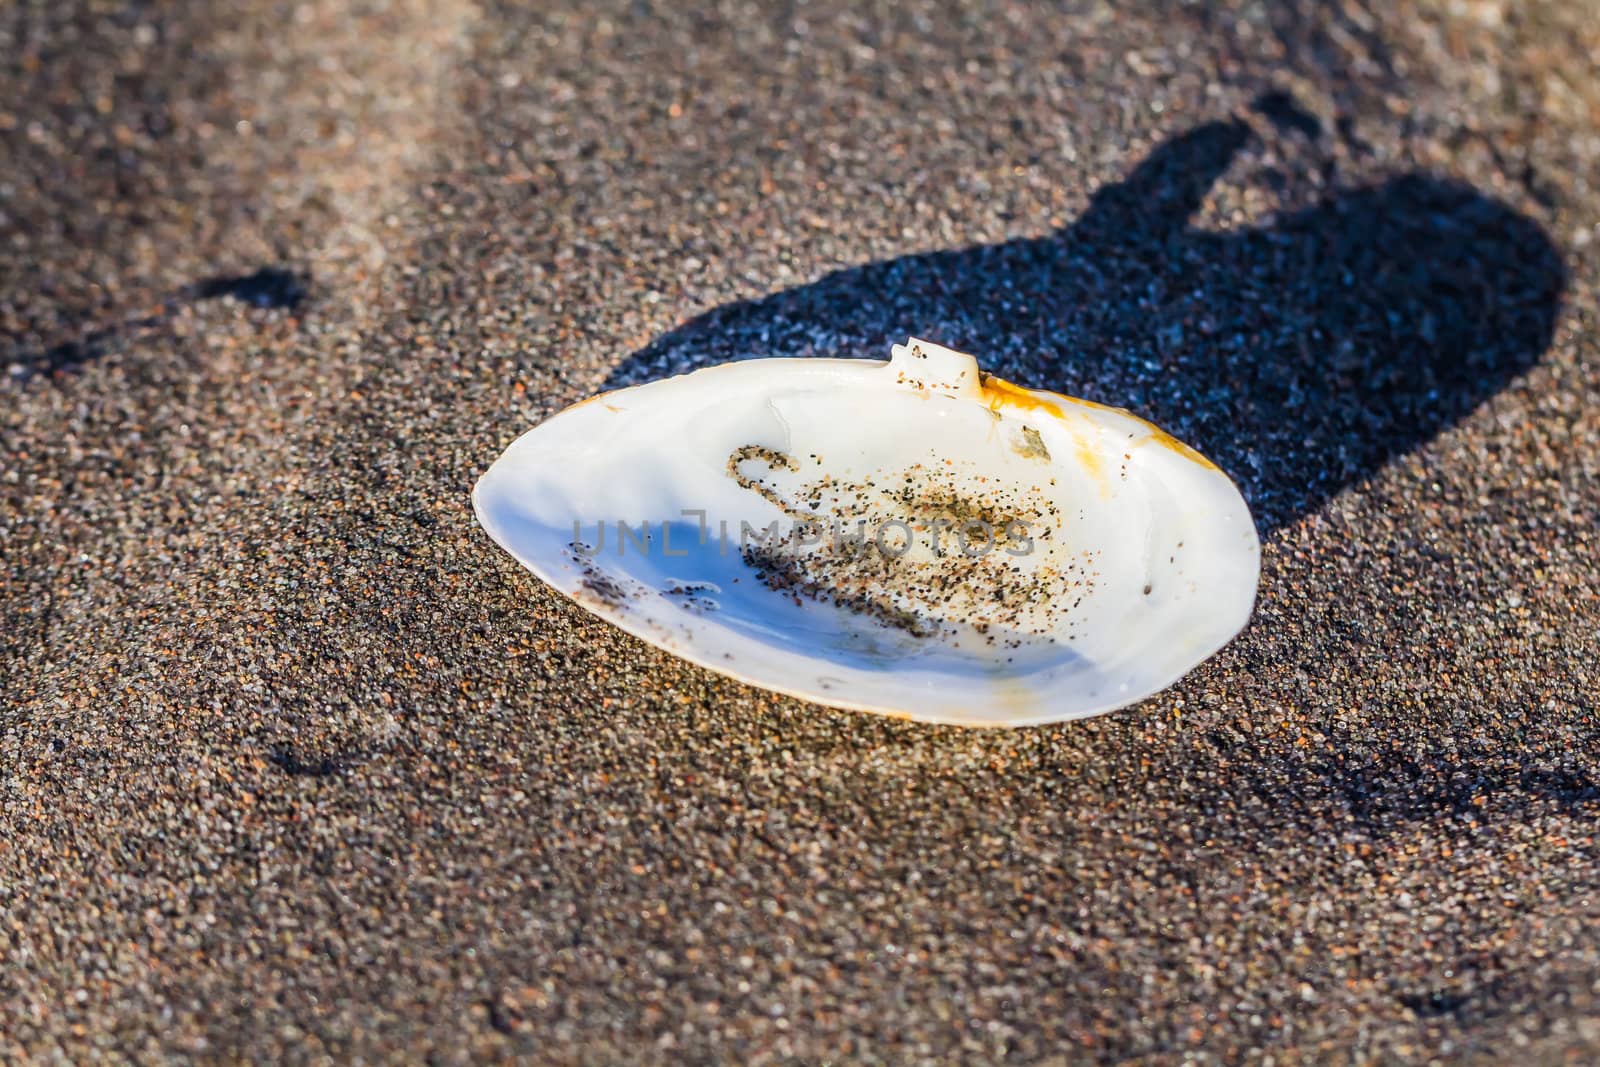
pixel 913 537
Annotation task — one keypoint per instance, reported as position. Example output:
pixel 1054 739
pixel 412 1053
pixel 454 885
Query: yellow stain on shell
pixel 586 401
pixel 1003 395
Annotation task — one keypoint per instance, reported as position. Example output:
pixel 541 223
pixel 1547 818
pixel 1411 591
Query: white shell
pixel 1136 558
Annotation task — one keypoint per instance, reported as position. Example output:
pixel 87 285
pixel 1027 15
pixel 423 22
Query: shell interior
pixel 910 537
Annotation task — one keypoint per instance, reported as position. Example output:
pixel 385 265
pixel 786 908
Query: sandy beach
pixel 297 766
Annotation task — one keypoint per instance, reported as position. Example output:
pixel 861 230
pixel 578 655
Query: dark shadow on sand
pixel 1300 355
pixel 264 288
